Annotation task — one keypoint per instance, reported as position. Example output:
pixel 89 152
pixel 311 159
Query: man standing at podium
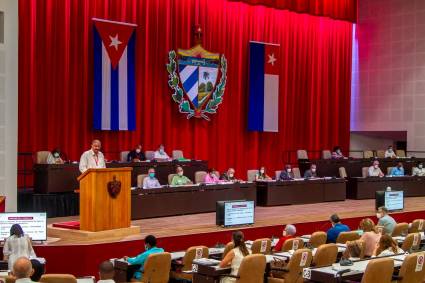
pixel 92 158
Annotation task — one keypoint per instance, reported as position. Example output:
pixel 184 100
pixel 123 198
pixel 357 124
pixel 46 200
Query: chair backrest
pixel 149 154
pixel 365 172
pixel 326 154
pixel 229 246
pixel 380 153
pixel 302 154
pixel 368 154
pixel 124 155
pixel 170 178
pixel 317 239
pixel 200 176
pixel 250 175
pixel 355 249
pixel 343 237
pixel 355 154
pixel 411 242
pixel 277 174
pixel 262 246
pixel 410 270
pixel 41 157
pixel 192 253
pixel 58 278
pixel 389 169
pixel 379 271
pixel 297 173
pixel 299 260
pixel 140 179
pixel 342 172
pixel 400 153
pixel 177 154
pixel 325 255
pixel 157 268
pixel 418 225
pixel 293 244
pixel 400 229
pixel 252 269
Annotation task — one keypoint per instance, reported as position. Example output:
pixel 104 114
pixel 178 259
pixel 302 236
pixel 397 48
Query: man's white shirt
pixel 89 160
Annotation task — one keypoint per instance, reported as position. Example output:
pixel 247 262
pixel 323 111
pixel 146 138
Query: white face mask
pixel 262 171
pixel 180 173
pixel 420 166
pixel 212 175
pixel 56 155
pixel 376 166
pixel 138 150
pixel 338 151
pixel 378 215
pixel 231 175
pixel 313 170
pixel 289 170
pixel 390 150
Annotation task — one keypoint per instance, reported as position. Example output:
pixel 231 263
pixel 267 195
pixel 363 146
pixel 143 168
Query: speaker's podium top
pixel 105 199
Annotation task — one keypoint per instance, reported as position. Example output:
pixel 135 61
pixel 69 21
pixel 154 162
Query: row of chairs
pixel 327 154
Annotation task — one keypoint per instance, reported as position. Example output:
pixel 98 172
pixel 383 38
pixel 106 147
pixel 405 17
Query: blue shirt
pixel 141 258
pixel 397 171
pixel 335 231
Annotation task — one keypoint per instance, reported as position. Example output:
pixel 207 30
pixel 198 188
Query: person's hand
pixel 125 258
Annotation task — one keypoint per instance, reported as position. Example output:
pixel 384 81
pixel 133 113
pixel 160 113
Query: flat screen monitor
pixel 33 224
pixel 233 213
pixel 392 200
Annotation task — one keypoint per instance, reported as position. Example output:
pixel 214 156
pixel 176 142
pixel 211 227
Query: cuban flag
pixel 263 110
pixel 114 76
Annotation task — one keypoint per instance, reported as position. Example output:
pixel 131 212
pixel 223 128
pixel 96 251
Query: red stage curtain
pixel 56 80
pixel 336 9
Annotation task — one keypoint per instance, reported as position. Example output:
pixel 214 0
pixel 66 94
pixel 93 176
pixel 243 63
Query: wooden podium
pixel 105 199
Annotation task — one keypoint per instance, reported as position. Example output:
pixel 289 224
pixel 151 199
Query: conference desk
pixel 179 200
pixel 337 273
pixel 353 166
pixel 60 178
pixel 300 191
pixel 365 188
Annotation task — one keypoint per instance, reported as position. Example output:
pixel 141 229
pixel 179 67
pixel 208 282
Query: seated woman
pixel 337 153
pixel 387 246
pixel 211 177
pixel 235 256
pixel 369 237
pixel 55 157
pixel 288 233
pixel 262 175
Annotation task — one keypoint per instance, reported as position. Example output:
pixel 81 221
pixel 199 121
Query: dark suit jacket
pixel 308 174
pixel 133 155
pixel 286 176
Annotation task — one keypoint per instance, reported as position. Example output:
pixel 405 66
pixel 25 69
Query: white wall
pixel 389 72
pixel 9 104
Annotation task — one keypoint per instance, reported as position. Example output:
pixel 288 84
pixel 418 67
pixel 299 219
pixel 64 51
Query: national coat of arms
pixel 114 187
pixel 193 76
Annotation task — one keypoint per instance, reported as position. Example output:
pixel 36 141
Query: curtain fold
pixel 56 79
pixel 336 9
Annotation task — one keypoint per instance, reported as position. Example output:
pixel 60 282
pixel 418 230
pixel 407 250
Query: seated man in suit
pixel 180 179
pixel 150 248
pixel 374 170
pixel 337 228
pixel 311 173
pixel 419 170
pixel 150 182
pixel 287 173
pixel 160 154
pixel 389 153
pixel 229 176
pixel 398 170
pixel 106 272
pixel 136 155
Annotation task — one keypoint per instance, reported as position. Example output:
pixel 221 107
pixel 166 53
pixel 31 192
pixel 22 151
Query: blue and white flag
pixel 263 111
pixel 114 76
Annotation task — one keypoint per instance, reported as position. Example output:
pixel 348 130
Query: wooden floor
pixel 264 216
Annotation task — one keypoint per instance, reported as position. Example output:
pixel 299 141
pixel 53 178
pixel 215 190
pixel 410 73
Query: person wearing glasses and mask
pixel 55 157
pixel 286 174
pixel 389 153
pixel 229 176
pixel 419 170
pixel 150 182
pixel 180 179
pixel 160 154
pixel 136 155
pixel 311 173
pixel 262 175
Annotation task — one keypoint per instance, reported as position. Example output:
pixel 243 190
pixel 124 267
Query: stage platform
pixel 264 217
pixel 82 256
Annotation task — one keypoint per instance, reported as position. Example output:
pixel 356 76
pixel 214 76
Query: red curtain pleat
pixel 56 79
